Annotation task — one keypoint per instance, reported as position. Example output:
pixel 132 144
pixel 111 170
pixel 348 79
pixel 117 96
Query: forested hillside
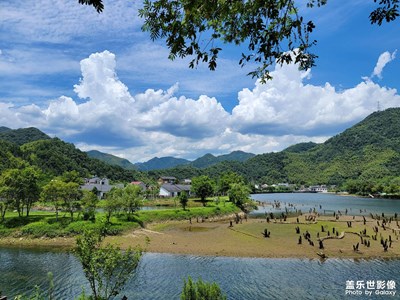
pixel 157 163
pixel 22 136
pixel 209 159
pixel 363 158
pixel 111 159
pixel 205 161
pixel 54 157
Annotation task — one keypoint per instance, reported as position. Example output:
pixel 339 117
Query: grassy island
pixel 213 231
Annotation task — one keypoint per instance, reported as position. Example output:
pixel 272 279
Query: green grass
pixel 171 202
pixel 45 224
pixel 144 217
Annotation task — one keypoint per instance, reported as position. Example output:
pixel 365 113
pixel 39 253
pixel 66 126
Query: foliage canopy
pixel 273 31
pixel 106 268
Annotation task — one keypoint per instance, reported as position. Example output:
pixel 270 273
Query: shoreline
pixel 218 239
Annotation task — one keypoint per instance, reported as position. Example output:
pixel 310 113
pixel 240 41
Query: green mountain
pixel 202 162
pixel 9 154
pixel 363 159
pixel 368 151
pixel 51 155
pixel 209 159
pixel 4 129
pixel 22 136
pixel 161 163
pixel 54 157
pixel 111 159
pixel 301 147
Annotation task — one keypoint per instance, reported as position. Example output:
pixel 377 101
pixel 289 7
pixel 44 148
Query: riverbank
pixel 245 239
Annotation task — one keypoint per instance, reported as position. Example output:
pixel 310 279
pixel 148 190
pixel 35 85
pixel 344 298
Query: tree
pixel 227 179
pixel 30 187
pixel 201 290
pixel 3 208
pixel 203 187
pixel 273 31
pixel 183 199
pixel 62 194
pixel 72 197
pixel 239 194
pixel 53 192
pixel 113 202
pixel 132 199
pixel 72 176
pixel 21 187
pixel 106 268
pixel 89 201
pixel 6 198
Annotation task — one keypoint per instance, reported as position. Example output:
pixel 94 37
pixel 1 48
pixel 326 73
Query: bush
pixel 201 290
pixel 5 232
pixel 78 227
pixel 42 229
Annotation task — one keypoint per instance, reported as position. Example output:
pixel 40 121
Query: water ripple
pixel 161 276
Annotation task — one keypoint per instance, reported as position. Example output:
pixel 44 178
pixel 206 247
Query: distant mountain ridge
pixel 209 159
pixel 205 161
pixel 4 129
pixel 111 159
pixel 361 158
pixel 158 163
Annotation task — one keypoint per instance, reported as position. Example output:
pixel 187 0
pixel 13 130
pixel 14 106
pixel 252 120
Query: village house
pixel 166 179
pixel 319 188
pixel 141 184
pixel 102 186
pixel 173 190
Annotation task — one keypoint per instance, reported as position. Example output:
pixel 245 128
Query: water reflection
pixel 160 276
pixel 325 203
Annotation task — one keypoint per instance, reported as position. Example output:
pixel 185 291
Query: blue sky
pixel 96 80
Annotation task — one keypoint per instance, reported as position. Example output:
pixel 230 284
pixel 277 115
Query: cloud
pixel 147 63
pixel 269 117
pixel 383 60
pixel 60 21
pixel 286 105
pixel 186 117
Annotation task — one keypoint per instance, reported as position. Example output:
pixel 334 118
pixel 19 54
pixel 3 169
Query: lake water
pixel 327 203
pixel 160 276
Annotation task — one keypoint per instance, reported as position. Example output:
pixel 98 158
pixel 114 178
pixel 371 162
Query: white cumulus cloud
pixel 268 117
pixel 383 60
pixel 287 105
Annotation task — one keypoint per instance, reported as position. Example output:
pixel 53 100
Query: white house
pixel 173 190
pixel 102 186
pixel 319 188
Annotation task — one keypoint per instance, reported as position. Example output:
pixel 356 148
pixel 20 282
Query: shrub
pixel 201 290
pixel 40 229
pixel 78 227
pixel 5 232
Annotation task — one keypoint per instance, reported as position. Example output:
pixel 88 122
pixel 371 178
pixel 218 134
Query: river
pixel 160 276
pixel 328 203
